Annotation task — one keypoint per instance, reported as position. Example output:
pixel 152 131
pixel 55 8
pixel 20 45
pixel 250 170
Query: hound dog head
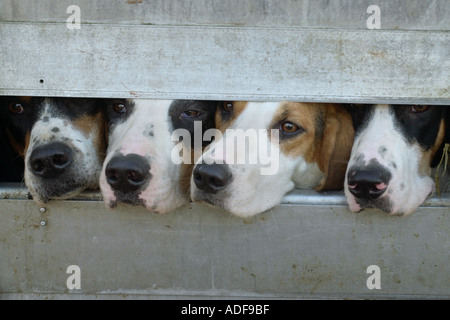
pixel 139 167
pixel 62 141
pixel 395 147
pixel 312 150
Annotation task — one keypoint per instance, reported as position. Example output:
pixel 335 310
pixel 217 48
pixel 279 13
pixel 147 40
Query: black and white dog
pixel 394 150
pixel 62 142
pixel 139 168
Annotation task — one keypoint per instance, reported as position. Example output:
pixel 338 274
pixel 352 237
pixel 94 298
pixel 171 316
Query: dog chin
pixel 55 189
pixel 166 206
pixel 240 211
pixel 243 212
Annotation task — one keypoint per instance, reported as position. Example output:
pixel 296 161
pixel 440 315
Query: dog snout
pixel 127 173
pixel 211 178
pixel 50 160
pixel 368 183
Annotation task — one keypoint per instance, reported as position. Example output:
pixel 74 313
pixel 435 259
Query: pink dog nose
pixel 368 183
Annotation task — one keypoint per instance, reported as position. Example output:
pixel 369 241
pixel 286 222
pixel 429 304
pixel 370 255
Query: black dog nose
pixel 50 160
pixel 368 183
pixel 127 173
pixel 211 178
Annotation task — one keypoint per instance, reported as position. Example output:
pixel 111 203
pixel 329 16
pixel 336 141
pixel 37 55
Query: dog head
pixel 140 167
pixel 304 145
pixel 395 147
pixel 61 140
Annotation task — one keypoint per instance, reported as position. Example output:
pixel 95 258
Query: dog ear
pixel 335 148
pixel 106 131
pixel 106 123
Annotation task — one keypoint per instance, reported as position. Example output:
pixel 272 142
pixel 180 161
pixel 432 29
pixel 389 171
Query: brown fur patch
pixel 20 147
pixel 327 136
pixel 439 140
pixel 93 125
pixel 238 108
pixel 27 143
pixel 335 147
pixel 185 179
pixel 185 175
pixel 26 99
pixel 327 139
pixel 303 115
pixel 86 124
pixel 427 156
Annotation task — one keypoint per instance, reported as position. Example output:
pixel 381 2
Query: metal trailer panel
pixel 323 14
pixel 313 250
pixel 263 64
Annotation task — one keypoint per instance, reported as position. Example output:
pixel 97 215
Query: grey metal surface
pixel 292 251
pixel 336 14
pixel 264 64
pixel 17 191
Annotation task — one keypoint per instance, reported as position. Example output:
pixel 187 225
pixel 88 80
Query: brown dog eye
pixel 228 106
pixel 289 127
pixel 419 108
pixel 191 114
pixel 16 108
pixel 120 108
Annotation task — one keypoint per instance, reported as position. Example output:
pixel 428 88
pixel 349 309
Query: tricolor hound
pixel 394 150
pixel 141 166
pixel 309 144
pixel 62 141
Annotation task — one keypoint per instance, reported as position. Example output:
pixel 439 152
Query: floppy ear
pixel 106 131
pixel 335 148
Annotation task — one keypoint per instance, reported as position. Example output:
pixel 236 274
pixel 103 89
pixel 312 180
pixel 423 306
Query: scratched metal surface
pixel 336 14
pixel 264 64
pixel 292 251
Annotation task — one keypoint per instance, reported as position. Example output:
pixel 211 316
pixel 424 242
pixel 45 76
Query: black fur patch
pixel 184 113
pixel 113 112
pixel 11 165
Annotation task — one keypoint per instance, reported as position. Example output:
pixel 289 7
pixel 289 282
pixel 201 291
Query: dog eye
pixel 120 108
pixel 228 106
pixel 16 108
pixel 191 114
pixel 419 108
pixel 289 127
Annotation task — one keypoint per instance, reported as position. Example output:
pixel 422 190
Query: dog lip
pixel 112 204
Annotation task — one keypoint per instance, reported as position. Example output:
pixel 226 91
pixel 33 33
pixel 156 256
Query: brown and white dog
pixel 394 150
pixel 141 166
pixel 309 144
pixel 61 140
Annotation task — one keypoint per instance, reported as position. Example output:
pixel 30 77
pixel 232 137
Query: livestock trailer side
pixel 309 246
